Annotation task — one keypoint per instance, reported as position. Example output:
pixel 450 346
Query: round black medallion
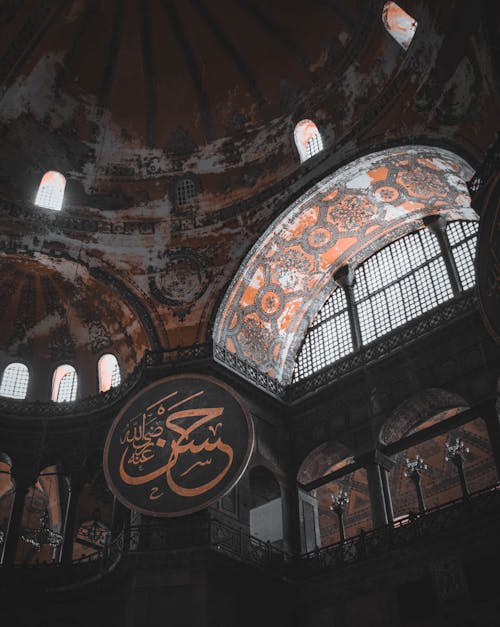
pixel 177 446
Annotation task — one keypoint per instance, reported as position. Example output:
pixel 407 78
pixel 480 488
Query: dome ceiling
pixel 128 98
pixel 53 311
pixel 344 219
pixel 113 91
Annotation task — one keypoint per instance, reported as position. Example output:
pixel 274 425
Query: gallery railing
pixel 480 509
pixel 53 576
pixel 210 533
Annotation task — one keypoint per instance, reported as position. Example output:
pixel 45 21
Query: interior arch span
pixel 343 219
pixel 426 404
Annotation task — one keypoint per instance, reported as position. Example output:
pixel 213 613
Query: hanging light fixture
pixel 42 534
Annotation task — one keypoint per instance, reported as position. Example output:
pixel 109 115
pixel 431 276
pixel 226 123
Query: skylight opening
pixel 399 24
pixel 15 381
pixel 64 384
pixel 109 372
pixel 307 140
pixel 185 192
pixel 51 191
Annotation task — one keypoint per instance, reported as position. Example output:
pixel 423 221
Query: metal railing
pixel 53 576
pixel 210 533
pixel 469 514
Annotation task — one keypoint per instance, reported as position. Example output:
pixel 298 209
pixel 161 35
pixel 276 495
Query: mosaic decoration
pixel 181 282
pixel 54 308
pixel 178 445
pixel 345 218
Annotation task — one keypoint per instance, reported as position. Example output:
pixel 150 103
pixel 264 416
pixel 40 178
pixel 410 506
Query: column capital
pixel 375 457
pixel 345 276
pixel 436 223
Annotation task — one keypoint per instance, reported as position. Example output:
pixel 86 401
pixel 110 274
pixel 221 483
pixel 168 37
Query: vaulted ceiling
pixel 127 97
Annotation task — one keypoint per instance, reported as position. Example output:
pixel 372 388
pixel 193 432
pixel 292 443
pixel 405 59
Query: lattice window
pixel 307 139
pixel 314 145
pixel 51 191
pixel 185 191
pixel 109 372
pixel 399 24
pixel 401 282
pixel 64 384
pixel 328 338
pixel 116 377
pixel 463 239
pixel 15 381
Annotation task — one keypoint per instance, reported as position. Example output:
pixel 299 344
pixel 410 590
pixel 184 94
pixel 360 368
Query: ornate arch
pixel 416 409
pixel 344 218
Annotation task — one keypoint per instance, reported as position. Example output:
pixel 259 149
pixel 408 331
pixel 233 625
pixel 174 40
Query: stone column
pixel 377 496
pixel 291 520
pixel 75 488
pixel 493 426
pixel 386 464
pixel 22 484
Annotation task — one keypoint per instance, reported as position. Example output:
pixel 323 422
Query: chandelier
pixel 456 451
pixel 340 500
pixel 42 534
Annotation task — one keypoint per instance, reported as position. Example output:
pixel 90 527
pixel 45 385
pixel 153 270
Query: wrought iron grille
pixel 328 339
pixel 314 145
pixel 15 381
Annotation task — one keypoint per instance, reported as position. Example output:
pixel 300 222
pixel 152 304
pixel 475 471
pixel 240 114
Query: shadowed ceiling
pixel 127 97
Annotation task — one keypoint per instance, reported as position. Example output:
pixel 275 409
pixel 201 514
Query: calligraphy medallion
pixel 177 446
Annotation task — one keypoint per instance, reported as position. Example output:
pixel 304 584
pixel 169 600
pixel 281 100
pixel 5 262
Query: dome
pixel 54 311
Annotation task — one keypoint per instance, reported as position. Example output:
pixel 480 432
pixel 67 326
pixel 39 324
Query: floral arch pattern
pixel 345 218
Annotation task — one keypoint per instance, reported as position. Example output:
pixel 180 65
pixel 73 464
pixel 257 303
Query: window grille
pixel 185 192
pixel 15 381
pixel 51 191
pixel 329 337
pixel 307 139
pixel 116 377
pixel 401 282
pixel 67 386
pixel 314 145
pixel 463 240
pixel 109 372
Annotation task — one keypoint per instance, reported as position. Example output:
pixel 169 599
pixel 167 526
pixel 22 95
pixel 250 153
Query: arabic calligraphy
pixel 179 447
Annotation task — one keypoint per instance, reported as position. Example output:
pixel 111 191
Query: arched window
pixel 185 191
pixel 15 381
pixel 400 282
pixel 329 337
pixel 395 285
pixel 51 191
pixel 307 139
pixel 399 24
pixel 109 372
pixel 64 384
